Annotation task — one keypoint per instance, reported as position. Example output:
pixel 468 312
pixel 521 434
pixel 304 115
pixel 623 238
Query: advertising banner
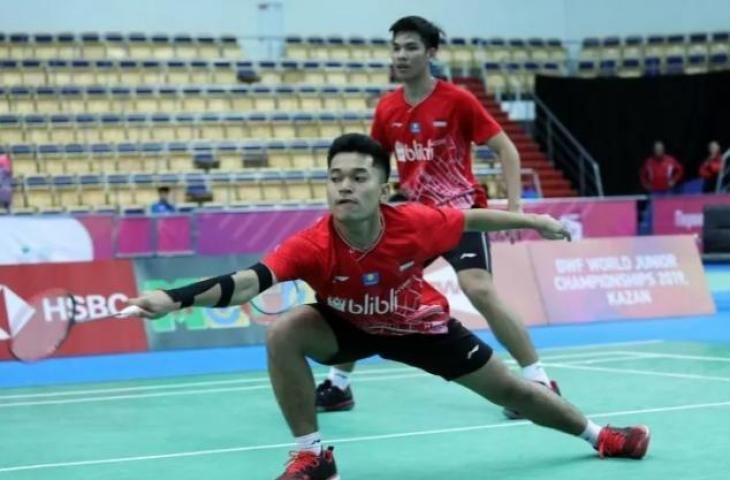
pixel 213 327
pixel 620 278
pixel 682 214
pixel 100 288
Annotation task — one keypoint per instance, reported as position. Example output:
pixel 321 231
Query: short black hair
pixel 163 189
pixel 430 33
pixel 359 143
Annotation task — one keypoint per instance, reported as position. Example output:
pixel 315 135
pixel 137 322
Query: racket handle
pixel 130 311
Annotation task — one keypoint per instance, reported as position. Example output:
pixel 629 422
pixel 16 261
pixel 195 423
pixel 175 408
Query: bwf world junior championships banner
pixel 620 278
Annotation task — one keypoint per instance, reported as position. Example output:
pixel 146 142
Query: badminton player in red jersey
pixel 365 262
pixel 430 126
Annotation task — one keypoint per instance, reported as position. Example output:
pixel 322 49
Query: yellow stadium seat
pixel 230 161
pixel 273 189
pixel 298 189
pixel 247 190
pixel 180 162
pixel 24 164
pixel 278 158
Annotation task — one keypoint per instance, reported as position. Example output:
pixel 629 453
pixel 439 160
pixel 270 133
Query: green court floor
pixel 406 425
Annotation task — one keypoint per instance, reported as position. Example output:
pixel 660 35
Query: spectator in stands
pixel 163 205
pixel 661 172
pixel 6 182
pixel 710 168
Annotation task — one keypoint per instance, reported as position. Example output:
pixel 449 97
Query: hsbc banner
pixel 100 288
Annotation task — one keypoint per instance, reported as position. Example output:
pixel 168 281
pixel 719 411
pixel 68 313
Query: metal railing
pixel 565 151
pixel 723 177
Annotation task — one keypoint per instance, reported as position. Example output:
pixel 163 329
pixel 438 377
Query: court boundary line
pixel 357 374
pixel 197 453
pixel 101 395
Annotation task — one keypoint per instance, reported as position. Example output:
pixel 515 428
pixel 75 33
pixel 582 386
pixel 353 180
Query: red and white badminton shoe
pixel 631 442
pixel 309 466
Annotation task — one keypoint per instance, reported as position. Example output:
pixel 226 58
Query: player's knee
pixel 477 285
pixel 281 333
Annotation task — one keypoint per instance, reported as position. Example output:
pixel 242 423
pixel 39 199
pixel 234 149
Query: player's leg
pixel 298 334
pixel 494 382
pixel 471 261
pixel 478 286
pixel 461 356
pixel 304 332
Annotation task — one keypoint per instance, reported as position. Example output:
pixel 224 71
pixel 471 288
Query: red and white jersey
pixel 432 143
pixel 380 291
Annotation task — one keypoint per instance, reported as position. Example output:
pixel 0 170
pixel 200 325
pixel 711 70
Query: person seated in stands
pixel 162 205
pixel 710 168
pixel 661 172
pixel 6 182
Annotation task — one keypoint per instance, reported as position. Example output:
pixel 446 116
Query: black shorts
pixel 472 252
pixel 449 355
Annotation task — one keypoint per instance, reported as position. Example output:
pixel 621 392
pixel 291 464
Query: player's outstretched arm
pixel 483 220
pixel 222 291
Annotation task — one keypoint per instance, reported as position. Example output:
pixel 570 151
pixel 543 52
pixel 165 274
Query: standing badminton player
pixel 431 124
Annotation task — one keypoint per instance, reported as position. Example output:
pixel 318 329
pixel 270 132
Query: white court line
pixel 691 376
pixel 202 391
pixel 173 386
pixel 680 356
pixel 577 364
pixel 622 358
pixel 491 426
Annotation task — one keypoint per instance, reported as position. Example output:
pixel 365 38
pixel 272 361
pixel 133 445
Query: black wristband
pixel 264 275
pixel 186 295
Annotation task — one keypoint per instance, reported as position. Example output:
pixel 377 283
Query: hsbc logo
pixel 90 307
pixel 415 152
pixel 17 313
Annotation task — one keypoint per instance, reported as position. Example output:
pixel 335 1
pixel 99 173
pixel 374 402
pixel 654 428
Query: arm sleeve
pixel 441 228
pixel 296 258
pixel 478 123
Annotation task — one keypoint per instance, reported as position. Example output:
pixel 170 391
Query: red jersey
pixel 380 291
pixel 710 168
pixel 432 144
pixel 661 174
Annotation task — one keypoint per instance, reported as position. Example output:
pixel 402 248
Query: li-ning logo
pixel 368 306
pixel 415 152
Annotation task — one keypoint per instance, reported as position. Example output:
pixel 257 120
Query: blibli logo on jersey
pixel 368 306
pixel 370 279
pixel 415 152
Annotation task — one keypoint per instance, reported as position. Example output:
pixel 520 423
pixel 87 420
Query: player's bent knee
pixel 480 290
pixel 289 329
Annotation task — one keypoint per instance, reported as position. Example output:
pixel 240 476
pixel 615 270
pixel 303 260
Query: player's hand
pixel 550 228
pixel 154 304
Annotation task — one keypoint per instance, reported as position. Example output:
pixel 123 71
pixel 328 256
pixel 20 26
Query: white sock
pixel 535 373
pixel 339 378
pixel 310 443
pixel 591 432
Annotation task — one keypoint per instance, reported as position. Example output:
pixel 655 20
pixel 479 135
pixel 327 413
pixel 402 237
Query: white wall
pixel 587 18
pixel 567 19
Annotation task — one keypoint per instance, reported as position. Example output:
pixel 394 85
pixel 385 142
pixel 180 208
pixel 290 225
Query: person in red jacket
pixel 661 172
pixel 710 168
